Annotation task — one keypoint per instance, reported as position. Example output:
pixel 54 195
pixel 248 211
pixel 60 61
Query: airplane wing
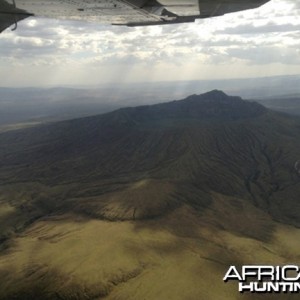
pixel 10 14
pixel 121 12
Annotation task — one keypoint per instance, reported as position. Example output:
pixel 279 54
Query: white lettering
pixel 269 287
pixel 266 271
pixel 246 272
pixel 285 269
pixel 266 279
pixel 243 287
pixel 273 287
pixel 229 275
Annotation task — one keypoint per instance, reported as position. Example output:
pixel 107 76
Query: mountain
pixel 148 202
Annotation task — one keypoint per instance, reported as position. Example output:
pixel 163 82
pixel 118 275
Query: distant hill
pixel 287 103
pixel 26 105
pixel 159 197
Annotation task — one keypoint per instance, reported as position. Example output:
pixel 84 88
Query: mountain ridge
pixel 106 206
pixel 180 141
pixel 211 105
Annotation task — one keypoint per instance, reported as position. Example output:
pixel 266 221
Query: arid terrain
pixel 150 202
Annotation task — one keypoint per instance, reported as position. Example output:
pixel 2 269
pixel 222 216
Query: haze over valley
pixel 26 106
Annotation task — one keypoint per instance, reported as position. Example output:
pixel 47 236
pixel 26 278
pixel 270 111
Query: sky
pixel 256 43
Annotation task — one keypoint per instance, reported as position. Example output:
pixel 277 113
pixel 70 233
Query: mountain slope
pixel 207 178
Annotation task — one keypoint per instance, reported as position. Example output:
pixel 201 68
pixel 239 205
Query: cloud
pixel 261 37
pixel 266 55
pixel 270 27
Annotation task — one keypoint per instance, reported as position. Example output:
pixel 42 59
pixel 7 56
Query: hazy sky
pixel 260 42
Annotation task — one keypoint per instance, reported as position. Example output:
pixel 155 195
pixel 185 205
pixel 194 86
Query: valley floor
pixel 182 255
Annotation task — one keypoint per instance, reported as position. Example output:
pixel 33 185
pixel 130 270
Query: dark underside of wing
pixel 7 20
pixel 10 14
pixel 122 12
pixel 201 9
